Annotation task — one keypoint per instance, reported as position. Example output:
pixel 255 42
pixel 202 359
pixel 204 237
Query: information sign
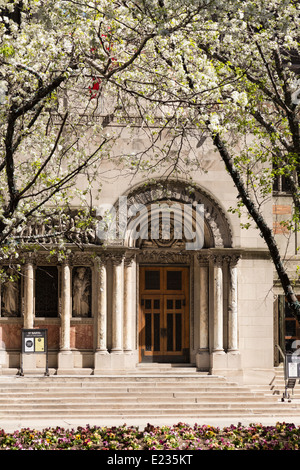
pixel 292 366
pixel 34 341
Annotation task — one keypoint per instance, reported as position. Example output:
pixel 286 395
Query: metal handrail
pixel 280 350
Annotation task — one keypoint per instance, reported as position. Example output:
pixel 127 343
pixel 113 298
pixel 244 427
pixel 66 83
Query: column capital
pixel 116 258
pixel 232 259
pixel 203 259
pixel 129 259
pixel 29 258
pixel 217 259
pixel 101 259
pixel 67 260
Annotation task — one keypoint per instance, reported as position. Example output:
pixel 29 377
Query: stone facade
pixel 91 302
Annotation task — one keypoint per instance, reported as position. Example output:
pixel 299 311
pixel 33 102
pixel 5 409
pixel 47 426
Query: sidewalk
pixel 14 425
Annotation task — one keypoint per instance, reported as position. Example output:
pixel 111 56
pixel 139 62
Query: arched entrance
pixel 185 293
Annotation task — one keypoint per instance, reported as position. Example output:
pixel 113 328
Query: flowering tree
pixel 40 157
pixel 188 69
pixel 56 59
pixel 259 49
pixel 228 72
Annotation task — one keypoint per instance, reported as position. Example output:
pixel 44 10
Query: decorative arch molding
pixel 216 220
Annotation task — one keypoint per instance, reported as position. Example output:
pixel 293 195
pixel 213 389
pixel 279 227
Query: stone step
pixel 193 413
pixel 193 386
pixel 124 386
pixel 112 378
pixel 103 407
pixel 136 396
pixel 95 401
pixel 129 392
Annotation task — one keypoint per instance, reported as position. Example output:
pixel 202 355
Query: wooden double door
pixel 164 314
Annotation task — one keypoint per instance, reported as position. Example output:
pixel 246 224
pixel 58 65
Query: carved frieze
pixel 164 257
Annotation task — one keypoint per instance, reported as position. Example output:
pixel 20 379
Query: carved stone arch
pixel 217 227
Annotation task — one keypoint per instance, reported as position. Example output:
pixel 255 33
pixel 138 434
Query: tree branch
pixel 265 230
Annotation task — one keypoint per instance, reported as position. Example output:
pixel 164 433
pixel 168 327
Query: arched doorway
pixel 187 321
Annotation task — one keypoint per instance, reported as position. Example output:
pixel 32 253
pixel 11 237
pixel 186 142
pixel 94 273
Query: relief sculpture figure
pixel 10 295
pixel 81 293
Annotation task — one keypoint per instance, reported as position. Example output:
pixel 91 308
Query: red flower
pixel 95 87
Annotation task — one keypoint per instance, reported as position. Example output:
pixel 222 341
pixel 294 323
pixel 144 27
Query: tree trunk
pixel 265 230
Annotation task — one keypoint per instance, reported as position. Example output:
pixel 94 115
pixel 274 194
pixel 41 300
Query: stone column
pixel 117 304
pixel 218 304
pixel 129 303
pixel 204 306
pixel 202 286
pixel 28 295
pixel 218 358
pixel 65 358
pixel 65 307
pixel 232 305
pixel 101 356
pixel 101 325
pixel 28 361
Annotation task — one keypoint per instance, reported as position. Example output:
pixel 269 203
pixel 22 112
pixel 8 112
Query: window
pixel 46 291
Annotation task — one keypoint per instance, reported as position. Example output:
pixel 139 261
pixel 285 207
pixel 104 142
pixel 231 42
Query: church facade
pixel 154 295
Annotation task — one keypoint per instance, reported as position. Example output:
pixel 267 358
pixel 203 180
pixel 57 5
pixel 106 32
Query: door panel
pixel 164 308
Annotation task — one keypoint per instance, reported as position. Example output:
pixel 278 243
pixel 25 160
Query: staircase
pixel 150 393
pixel 276 387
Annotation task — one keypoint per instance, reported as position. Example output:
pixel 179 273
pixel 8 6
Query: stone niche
pixel 81 292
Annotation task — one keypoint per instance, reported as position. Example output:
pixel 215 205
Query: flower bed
pixel 282 436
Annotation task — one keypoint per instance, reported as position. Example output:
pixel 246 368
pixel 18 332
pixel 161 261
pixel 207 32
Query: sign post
pixel 35 341
pixel 291 372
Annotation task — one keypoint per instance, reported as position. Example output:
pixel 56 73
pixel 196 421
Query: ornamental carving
pixel 164 257
pixel 70 227
pixel 84 259
pixel 215 217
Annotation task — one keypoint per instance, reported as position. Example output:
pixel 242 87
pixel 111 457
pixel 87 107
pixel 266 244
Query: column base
pixel 227 364
pixel 202 359
pixel 3 360
pixel 114 362
pixel 101 361
pixel 65 362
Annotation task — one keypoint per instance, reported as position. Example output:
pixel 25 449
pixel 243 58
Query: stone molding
pixel 160 256
pixel 176 191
